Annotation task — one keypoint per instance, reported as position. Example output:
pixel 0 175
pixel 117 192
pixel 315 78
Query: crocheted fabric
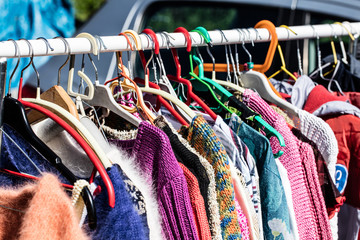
pixel 197 203
pixel 307 224
pixel 158 164
pixel 40 210
pixel 245 234
pixel 203 139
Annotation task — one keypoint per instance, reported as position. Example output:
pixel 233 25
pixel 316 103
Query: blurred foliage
pixel 169 18
pixel 84 9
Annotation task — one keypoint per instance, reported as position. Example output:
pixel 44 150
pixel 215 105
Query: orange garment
pixel 45 212
pixel 198 205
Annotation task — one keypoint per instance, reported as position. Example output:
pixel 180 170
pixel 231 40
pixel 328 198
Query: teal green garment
pixel 275 212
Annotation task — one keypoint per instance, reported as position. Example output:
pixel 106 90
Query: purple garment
pixel 156 159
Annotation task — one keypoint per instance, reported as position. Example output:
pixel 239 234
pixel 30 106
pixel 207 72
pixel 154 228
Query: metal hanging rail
pixel 177 40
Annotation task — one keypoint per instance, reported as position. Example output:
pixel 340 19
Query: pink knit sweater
pixel 304 206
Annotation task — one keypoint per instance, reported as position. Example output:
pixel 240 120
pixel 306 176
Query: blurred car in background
pixel 115 16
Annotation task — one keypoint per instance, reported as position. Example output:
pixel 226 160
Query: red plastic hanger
pixel 88 150
pixel 179 79
pixel 160 99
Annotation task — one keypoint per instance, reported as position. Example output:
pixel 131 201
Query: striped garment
pixel 204 140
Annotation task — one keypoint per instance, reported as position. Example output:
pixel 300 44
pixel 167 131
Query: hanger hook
pixel 47 44
pixel 31 62
pixel 100 43
pixel 257 34
pixel 68 50
pixel 152 50
pixel 243 43
pixel 167 37
pixel 222 35
pixel 17 53
pixel 251 39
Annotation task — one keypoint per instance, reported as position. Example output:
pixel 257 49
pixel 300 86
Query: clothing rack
pixel 177 40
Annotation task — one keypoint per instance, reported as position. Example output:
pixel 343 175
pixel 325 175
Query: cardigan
pixel 154 155
pixel 197 203
pixel 203 139
pixel 39 210
pixel 291 159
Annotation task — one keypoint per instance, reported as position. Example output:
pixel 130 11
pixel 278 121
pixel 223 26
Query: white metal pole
pixel 119 43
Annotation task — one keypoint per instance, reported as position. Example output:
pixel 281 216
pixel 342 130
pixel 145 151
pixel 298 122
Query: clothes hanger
pixel 221 67
pixel 72 121
pixel 56 94
pixel 128 83
pixel 258 81
pixel 321 67
pixel 137 42
pixel 42 105
pixel 342 46
pixel 228 82
pixel 283 65
pixel 247 114
pixel 158 92
pixel 16 118
pixel 103 97
pixel 190 94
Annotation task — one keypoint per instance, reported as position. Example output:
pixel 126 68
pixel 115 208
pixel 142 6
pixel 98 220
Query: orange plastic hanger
pixel 222 67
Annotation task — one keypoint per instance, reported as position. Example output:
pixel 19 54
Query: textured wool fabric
pixel 273 198
pixel 203 139
pixel 149 203
pixel 291 159
pixel 158 164
pixel 122 221
pixel 188 158
pixel 332 196
pixel 214 219
pixel 313 185
pixel 39 210
pixel 197 203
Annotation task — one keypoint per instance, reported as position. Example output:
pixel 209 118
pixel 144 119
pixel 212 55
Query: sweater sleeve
pixel 176 210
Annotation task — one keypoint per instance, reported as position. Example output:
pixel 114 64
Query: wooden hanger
pixel 56 94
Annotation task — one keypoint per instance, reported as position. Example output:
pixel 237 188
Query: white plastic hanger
pixel 102 97
pixel 74 122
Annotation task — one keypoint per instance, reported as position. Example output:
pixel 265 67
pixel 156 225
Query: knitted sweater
pixel 156 159
pixel 214 219
pixel 203 139
pixel 188 158
pixel 122 221
pixel 40 210
pixel 291 159
pixel 197 203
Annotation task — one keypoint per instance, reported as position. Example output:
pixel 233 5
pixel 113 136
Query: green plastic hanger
pixel 245 112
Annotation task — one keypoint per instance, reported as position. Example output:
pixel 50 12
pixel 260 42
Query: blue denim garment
pixel 31 19
pixel 275 212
